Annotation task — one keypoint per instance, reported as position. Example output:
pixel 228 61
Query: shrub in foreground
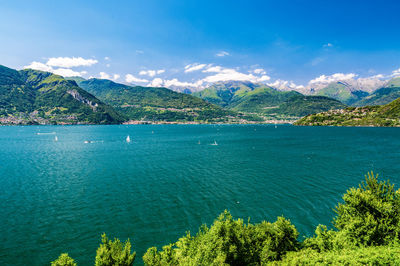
pixel 64 260
pixel 228 242
pixel 114 253
pixel 383 255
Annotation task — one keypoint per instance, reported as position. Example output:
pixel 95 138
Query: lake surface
pixel 60 196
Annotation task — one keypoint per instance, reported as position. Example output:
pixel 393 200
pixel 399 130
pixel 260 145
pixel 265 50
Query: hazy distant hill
pixel 31 96
pixel 379 115
pixel 343 92
pixel 387 94
pixel 154 104
pixel 259 98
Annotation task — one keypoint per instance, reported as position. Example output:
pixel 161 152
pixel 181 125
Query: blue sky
pixel 263 40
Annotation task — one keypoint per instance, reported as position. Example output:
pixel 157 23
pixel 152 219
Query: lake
pixel 60 196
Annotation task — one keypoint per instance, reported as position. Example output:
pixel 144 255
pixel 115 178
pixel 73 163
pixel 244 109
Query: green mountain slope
pixel 31 97
pixel 155 104
pixel 380 97
pixel 383 115
pixel 342 92
pixel 266 101
pixel 385 95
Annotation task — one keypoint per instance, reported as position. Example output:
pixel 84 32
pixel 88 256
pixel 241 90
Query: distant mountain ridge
pixel 37 97
pixel 156 103
pixel 265 100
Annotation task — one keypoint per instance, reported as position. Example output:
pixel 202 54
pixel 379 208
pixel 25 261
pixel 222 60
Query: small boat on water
pixel 45 133
pixel 215 143
pixel 128 139
pixel 55 138
pixel 198 142
pixel 87 141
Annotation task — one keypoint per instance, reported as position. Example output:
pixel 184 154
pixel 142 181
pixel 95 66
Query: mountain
pixel 385 95
pixel 379 115
pixel 343 92
pixel 32 97
pixel 155 103
pixel 262 99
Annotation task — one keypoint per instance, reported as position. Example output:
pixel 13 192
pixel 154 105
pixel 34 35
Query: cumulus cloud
pixel 259 71
pixel 104 75
pixel 39 66
pixel 194 67
pixel 151 73
pixel 65 72
pixel 396 73
pixel 70 62
pixel 326 45
pixel 333 78
pixel 132 79
pixel 227 74
pixel 116 76
pixel 157 82
pixel 285 85
pixel 107 58
pixel 222 53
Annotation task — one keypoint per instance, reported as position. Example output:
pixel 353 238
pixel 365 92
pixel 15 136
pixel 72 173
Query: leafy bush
pixel 229 242
pixel 64 260
pixel 114 253
pixel 384 255
pixel 370 214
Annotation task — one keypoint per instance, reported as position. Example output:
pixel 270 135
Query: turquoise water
pixel 60 196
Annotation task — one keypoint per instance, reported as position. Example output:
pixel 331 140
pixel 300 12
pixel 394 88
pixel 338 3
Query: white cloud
pixel 326 45
pixel 39 66
pixel 65 72
pixel 115 77
pixel 131 79
pixel 194 67
pixel 333 78
pixel 222 53
pixel 139 52
pixel 69 62
pixel 285 85
pixel 151 73
pixel 259 71
pixel 104 75
pixel 108 65
pixel 227 74
pixel 215 69
pixel 106 58
pixel 396 73
pixel 157 82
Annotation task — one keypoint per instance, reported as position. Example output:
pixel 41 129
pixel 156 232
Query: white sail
pixel 128 139
pixel 55 138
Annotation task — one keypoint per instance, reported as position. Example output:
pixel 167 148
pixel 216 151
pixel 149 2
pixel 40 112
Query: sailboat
pixel 128 139
pixel 215 143
pixel 198 142
pixel 55 138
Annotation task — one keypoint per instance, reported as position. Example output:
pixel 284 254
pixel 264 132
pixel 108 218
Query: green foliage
pixel 228 242
pixel 384 255
pixel 370 214
pixel 386 115
pixel 64 260
pixel 114 253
